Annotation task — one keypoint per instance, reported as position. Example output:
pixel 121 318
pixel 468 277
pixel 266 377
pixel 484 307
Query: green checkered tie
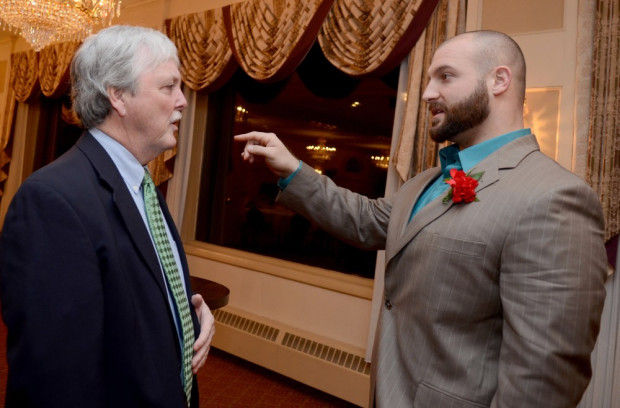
pixel 158 232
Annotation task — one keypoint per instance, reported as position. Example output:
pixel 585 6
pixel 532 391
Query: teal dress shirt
pixel 452 158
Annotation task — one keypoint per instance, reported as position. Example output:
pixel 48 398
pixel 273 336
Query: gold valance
pixel 270 38
pixel 206 59
pixel 54 62
pixel 361 37
pixel 47 70
pixel 24 78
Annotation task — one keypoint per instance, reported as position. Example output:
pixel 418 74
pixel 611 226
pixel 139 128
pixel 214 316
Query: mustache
pixel 176 116
pixel 436 106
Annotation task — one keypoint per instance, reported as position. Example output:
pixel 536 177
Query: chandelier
pixel 44 22
pixel 381 161
pixel 321 151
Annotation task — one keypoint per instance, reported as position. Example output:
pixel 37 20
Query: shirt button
pixel 136 188
pixel 388 305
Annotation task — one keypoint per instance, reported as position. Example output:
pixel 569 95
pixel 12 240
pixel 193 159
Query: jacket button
pixel 388 305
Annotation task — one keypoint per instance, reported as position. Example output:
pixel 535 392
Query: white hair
pixel 114 58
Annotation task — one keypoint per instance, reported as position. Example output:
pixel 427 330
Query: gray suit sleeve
pixel 552 291
pixel 349 216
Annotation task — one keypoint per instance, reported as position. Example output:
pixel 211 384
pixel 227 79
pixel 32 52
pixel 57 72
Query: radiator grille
pixel 327 353
pixel 247 325
pixel 307 346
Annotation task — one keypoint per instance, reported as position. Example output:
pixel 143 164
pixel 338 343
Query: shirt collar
pixel 466 159
pixel 128 166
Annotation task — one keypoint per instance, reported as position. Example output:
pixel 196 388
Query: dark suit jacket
pixel 83 296
pixel 492 303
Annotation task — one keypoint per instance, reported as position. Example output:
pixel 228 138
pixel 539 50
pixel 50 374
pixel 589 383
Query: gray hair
pixel 114 57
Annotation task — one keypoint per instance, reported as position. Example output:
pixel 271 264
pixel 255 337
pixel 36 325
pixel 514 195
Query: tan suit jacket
pixel 492 303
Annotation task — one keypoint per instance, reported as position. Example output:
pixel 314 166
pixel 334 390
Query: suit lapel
pixel 399 220
pixel 410 194
pixel 126 206
pixel 425 216
pixel 506 157
pixel 490 169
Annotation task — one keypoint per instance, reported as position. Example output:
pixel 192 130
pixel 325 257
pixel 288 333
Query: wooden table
pixel 215 294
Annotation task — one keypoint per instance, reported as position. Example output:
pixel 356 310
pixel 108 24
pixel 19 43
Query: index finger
pixel 261 137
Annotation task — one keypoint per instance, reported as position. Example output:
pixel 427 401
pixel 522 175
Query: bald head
pixel 494 49
pixel 476 87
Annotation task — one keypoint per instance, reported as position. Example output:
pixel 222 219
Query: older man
pixel 495 262
pixel 93 278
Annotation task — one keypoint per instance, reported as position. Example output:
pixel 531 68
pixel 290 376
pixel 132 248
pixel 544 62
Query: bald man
pixel 495 261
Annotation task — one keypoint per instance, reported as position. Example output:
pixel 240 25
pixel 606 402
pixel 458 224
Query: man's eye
pixel 446 75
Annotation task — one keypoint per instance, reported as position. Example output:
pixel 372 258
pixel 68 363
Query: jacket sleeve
pixel 349 216
pixel 552 291
pixel 52 303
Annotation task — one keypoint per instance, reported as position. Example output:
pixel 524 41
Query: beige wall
pixel 546 31
pixel 152 13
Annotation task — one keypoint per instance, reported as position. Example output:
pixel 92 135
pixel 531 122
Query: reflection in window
pixel 339 125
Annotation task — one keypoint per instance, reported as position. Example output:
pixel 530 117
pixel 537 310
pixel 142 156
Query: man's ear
pixel 117 100
pixel 502 77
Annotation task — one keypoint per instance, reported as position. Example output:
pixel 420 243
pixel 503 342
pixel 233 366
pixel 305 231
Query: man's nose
pixel 181 101
pixel 429 93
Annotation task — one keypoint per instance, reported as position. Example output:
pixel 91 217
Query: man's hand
pixel 277 157
pixel 207 329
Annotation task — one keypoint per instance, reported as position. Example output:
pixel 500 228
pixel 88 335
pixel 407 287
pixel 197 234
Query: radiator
pixel 327 365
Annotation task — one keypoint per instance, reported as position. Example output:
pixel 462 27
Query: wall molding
pixel 311 275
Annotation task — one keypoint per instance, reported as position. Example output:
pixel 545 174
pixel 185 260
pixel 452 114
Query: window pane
pixel 339 125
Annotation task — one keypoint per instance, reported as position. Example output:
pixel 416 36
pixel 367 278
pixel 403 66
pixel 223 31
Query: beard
pixel 462 115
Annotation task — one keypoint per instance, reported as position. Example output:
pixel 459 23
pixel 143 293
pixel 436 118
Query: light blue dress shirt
pixel 132 173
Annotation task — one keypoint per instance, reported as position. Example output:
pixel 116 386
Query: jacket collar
pixel 506 157
pixel 109 175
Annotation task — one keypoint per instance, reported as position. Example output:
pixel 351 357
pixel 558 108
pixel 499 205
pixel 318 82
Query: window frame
pixel 188 165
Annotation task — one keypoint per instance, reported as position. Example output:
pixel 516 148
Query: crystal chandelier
pixel 44 22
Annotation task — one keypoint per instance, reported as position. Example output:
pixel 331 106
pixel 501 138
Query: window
pixel 339 125
pixel 55 134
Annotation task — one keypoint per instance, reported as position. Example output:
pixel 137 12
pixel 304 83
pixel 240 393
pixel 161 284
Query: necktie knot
pixel 147 180
pixel 450 159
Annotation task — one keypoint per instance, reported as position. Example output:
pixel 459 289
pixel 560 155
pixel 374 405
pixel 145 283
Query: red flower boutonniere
pixel 462 186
